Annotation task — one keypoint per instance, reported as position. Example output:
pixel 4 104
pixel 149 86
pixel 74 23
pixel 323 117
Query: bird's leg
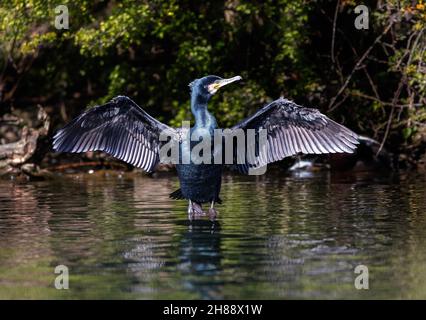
pixel 195 210
pixel 198 210
pixel 212 212
pixel 190 211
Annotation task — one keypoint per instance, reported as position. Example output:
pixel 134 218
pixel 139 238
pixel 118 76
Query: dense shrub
pixel 372 80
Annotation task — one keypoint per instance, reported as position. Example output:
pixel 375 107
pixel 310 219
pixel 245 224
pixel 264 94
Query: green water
pixel 278 236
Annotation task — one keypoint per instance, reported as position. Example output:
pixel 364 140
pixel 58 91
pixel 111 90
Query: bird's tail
pixel 177 195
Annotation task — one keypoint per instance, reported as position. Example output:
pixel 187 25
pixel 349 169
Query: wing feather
pixel 292 129
pixel 120 128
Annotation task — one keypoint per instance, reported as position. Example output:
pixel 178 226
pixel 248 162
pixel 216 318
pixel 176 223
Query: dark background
pixel 372 80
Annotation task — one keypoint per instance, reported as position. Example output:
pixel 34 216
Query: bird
pixel 124 130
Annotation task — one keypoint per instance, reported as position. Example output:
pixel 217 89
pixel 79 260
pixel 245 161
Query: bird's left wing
pixel 292 129
pixel 120 128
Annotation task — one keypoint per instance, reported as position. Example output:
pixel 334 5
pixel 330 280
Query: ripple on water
pixel 277 236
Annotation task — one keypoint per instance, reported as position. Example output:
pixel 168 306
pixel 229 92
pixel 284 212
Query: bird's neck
pixel 203 118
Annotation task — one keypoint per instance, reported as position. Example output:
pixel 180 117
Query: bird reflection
pixel 200 258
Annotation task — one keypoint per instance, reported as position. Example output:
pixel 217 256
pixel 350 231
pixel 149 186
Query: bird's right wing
pixel 292 129
pixel 120 128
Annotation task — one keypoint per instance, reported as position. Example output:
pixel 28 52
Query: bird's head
pixel 209 85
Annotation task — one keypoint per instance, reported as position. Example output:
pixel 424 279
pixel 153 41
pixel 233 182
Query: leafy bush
pixel 372 80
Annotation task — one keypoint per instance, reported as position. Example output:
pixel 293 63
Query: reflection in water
pixel 277 236
pixel 200 258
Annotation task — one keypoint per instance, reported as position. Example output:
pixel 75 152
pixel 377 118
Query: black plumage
pixel 124 130
pixel 120 128
pixel 292 129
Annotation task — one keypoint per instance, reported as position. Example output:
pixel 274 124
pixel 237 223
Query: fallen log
pixel 15 154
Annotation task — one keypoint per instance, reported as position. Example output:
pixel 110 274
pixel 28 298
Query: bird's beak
pixel 224 82
pixel 220 83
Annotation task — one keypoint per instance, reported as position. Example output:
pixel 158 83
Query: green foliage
pixel 151 50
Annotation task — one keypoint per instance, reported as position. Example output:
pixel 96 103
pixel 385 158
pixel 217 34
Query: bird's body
pixel 124 130
pixel 199 182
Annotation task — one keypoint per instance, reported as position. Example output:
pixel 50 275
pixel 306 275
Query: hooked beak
pixel 220 83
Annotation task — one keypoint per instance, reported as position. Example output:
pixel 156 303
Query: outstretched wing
pixel 293 129
pixel 120 128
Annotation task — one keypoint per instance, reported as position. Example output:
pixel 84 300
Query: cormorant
pixel 124 130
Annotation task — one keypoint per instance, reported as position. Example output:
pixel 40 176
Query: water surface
pixel 278 236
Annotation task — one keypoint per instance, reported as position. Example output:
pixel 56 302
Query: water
pixel 278 236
